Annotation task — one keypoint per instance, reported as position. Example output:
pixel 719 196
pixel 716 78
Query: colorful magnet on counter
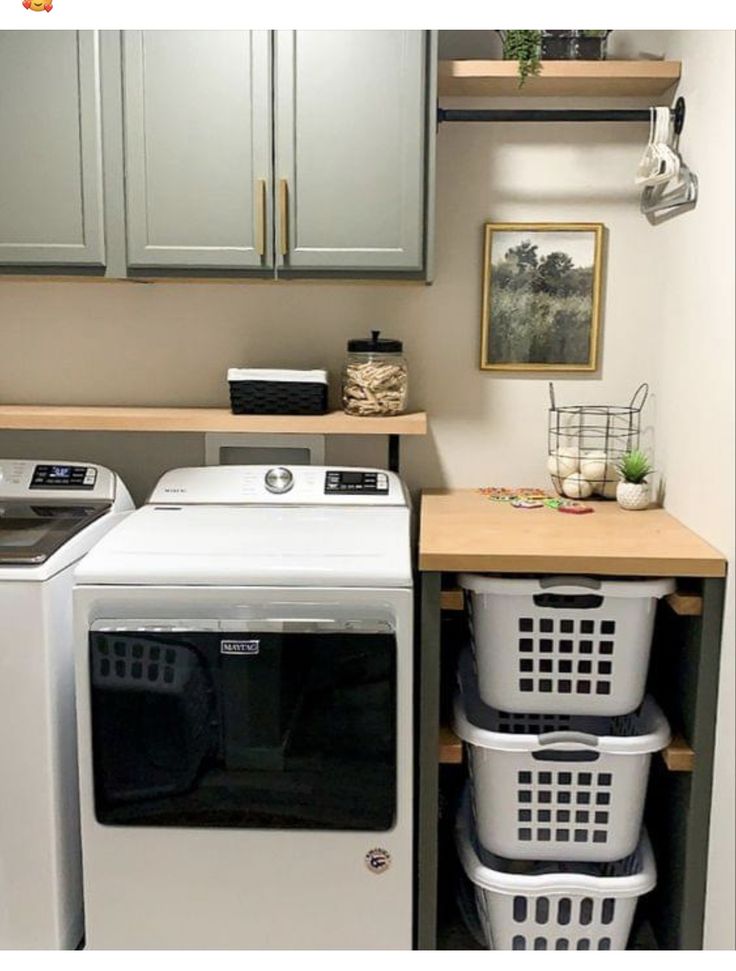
pixel 504 494
pixel 575 508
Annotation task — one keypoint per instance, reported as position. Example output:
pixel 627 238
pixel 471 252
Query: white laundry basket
pixel 568 645
pixel 560 907
pixel 556 787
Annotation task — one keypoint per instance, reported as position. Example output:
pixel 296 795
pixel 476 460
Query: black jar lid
pixel 376 344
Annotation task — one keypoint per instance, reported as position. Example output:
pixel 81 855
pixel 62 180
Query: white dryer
pixel 51 514
pixel 244 676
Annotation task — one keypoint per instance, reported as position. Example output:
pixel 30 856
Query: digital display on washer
pixel 366 483
pixel 63 477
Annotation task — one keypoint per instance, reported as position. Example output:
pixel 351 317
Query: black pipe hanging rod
pixel 558 114
pixel 540 114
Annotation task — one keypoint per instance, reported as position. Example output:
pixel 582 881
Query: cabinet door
pixel 197 108
pixel 350 153
pixel 50 158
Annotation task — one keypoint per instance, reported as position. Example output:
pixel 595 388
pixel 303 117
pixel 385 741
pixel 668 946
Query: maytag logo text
pixel 244 648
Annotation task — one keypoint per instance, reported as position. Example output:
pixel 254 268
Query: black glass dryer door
pixel 258 729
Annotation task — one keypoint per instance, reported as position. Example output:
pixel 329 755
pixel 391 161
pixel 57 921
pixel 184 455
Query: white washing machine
pixel 244 677
pixel 51 514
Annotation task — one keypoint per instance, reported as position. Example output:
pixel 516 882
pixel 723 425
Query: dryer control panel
pixel 295 485
pixel 356 481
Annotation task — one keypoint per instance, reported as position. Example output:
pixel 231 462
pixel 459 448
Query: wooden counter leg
pixel 428 720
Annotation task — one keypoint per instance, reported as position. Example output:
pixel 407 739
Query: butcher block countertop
pixel 463 530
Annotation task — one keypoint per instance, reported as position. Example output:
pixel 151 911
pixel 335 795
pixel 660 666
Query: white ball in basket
pixel 593 466
pixel 607 488
pixel 564 462
pixel 576 486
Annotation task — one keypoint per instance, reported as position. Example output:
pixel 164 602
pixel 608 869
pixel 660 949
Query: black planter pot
pixel 558 45
pixel 591 48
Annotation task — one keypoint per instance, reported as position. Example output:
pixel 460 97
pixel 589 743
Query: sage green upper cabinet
pixel 350 122
pixel 197 137
pixel 51 201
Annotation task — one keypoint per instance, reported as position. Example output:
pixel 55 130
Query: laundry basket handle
pixel 566 739
pixel 642 390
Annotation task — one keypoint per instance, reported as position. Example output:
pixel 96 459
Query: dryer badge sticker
pixel 378 860
pixel 38 5
pixel 240 648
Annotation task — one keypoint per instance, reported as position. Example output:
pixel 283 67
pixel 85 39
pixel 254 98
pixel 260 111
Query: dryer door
pixel 268 726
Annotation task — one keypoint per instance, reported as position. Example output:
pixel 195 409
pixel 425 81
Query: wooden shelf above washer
pixel 201 420
pixel 587 79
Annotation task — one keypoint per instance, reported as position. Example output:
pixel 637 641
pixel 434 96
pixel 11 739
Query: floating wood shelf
pixel 686 604
pixel 202 420
pixel 450 748
pixel 591 79
pixel 678 756
pixel 452 600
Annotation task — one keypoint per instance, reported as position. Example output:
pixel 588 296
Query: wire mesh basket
pixel 585 444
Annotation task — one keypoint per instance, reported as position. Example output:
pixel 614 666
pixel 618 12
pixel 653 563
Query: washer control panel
pixel 369 483
pixel 64 477
pixel 56 481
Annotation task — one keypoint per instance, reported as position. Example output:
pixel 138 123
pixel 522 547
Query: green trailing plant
pixel 634 467
pixel 523 46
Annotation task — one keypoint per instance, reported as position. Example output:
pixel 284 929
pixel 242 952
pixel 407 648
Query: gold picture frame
pixel 541 302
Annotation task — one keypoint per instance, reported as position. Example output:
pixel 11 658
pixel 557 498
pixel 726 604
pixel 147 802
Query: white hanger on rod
pixel 669 186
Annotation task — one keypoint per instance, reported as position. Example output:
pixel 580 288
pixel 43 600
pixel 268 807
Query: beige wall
pixel 171 343
pixel 695 381
pixel 668 319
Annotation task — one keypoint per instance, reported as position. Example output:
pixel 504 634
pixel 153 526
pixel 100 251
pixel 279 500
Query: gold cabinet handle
pixel 261 217
pixel 283 217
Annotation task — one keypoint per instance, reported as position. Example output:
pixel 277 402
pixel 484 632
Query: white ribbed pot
pixel 632 495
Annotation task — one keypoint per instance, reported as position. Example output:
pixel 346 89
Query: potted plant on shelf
pixel 530 47
pixel 523 46
pixel 632 492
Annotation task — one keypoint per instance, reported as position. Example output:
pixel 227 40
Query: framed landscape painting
pixel 541 296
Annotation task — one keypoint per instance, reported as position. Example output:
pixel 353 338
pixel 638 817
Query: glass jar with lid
pixel 375 377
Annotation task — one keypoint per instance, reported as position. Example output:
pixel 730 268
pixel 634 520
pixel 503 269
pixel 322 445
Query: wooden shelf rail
pixel 450 747
pixel 678 756
pixel 452 600
pixel 685 604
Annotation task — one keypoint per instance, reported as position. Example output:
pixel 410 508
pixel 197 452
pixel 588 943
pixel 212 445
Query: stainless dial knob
pixel 279 480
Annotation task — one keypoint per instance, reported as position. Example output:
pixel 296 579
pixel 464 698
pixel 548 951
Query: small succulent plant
pixel 634 467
